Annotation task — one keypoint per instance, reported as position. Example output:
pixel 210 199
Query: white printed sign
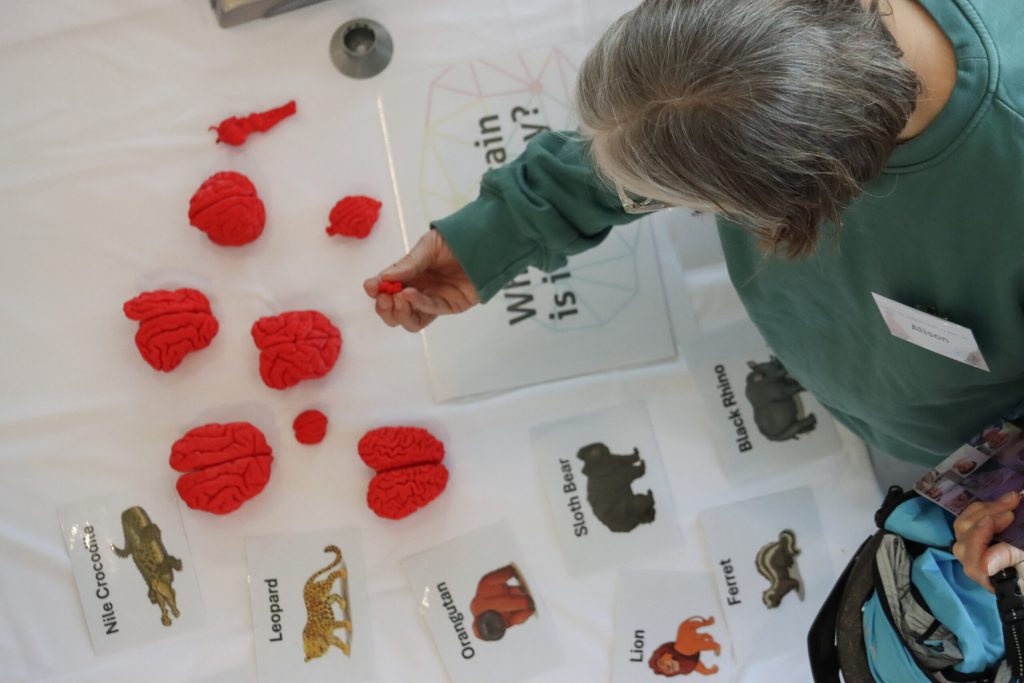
pixel 133 568
pixel 668 624
pixel 606 486
pixel 764 420
pixel 309 608
pixel 771 568
pixel 482 610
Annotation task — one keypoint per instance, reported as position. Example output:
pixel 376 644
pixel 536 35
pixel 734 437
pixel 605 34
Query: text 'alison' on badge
pixel 310 614
pixel 133 568
pixel 764 420
pixel 482 609
pixel 604 479
pixel 668 624
pixel 771 567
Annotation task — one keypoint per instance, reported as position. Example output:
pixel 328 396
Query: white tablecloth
pixel 102 141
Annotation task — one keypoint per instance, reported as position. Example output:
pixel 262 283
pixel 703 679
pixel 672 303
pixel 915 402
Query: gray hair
pixel 772 112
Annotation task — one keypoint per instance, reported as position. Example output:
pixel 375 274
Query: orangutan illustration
pixel 499 604
pixel 682 657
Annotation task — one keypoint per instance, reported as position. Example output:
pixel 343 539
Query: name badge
pixel 931 332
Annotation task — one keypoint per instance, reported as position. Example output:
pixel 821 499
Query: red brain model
pixel 172 324
pixel 235 129
pixel 390 287
pixel 227 208
pixel 224 464
pixel 310 427
pixel 354 216
pixel 294 346
pixel 409 470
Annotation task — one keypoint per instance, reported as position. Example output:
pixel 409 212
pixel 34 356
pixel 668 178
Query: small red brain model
pixel 235 129
pixel 172 324
pixel 409 470
pixel 354 216
pixel 390 287
pixel 294 346
pixel 224 465
pixel 227 208
pixel 310 427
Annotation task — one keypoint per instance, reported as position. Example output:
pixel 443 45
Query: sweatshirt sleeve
pixel 534 211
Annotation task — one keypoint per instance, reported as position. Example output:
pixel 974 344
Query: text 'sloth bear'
pixel 776 561
pixel 682 657
pixel 318 635
pixel 143 542
pixel 778 411
pixel 609 478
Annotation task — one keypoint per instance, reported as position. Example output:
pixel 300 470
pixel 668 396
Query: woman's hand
pixel 434 284
pixel 975 528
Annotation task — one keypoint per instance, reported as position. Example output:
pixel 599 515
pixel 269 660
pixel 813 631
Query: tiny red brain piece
pixel 172 324
pixel 390 287
pixel 387 448
pixel 354 216
pixel 295 346
pixel 310 427
pixel 227 208
pixel 398 493
pixel 224 465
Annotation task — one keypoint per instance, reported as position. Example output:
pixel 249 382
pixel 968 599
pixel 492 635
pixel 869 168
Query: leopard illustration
pixel 143 542
pixel 318 635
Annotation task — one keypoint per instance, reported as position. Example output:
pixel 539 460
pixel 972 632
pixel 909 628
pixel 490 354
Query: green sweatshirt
pixel 942 227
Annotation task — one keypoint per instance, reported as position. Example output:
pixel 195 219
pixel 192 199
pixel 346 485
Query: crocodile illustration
pixel 142 541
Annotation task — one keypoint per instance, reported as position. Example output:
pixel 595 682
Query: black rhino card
pixel 133 568
pixel 763 418
pixel 606 486
pixel 772 569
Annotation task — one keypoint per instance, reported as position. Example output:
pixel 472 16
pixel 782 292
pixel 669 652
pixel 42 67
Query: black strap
pixel 1010 604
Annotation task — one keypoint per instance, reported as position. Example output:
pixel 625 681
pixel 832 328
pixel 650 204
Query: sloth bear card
pixel 607 490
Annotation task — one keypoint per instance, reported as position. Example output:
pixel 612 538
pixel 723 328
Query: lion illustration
pixel 683 656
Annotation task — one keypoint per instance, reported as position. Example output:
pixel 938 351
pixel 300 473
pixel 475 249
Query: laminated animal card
pixel 764 420
pixel 606 486
pixel 604 309
pixel 668 624
pixel 133 568
pixel 771 567
pixel 482 608
pixel 310 615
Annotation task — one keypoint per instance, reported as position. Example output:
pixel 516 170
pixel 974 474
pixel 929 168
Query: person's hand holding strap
pixel 434 284
pixel 975 528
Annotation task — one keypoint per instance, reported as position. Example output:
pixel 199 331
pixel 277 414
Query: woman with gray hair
pixel 849 149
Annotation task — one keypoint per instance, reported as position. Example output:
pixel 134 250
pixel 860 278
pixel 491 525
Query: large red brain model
pixel 224 465
pixel 294 346
pixel 172 324
pixel 227 208
pixel 409 470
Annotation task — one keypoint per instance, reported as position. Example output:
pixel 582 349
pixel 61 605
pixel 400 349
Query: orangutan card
pixel 606 486
pixel 764 419
pixel 309 607
pixel 772 569
pixel 482 610
pixel 668 624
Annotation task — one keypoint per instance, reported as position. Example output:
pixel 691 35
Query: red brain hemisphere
pixel 294 346
pixel 224 465
pixel 172 324
pixel 409 470
pixel 227 208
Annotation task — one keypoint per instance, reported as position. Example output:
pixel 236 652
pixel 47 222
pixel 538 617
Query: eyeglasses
pixel 634 205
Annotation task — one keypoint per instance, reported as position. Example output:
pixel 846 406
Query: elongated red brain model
pixel 227 208
pixel 224 465
pixel 354 216
pixel 295 346
pixel 409 470
pixel 235 129
pixel 172 324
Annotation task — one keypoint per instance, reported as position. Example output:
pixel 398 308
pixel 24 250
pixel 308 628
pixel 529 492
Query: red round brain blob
pixel 227 208
pixel 354 216
pixel 390 287
pixel 172 324
pixel 224 465
pixel 310 427
pixel 295 346
pixel 409 470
